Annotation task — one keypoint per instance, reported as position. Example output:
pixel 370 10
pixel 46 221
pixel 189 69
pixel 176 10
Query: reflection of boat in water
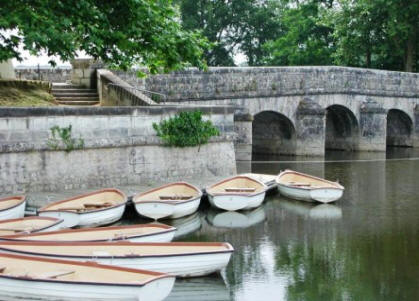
pixel 186 225
pixel 204 288
pixel 311 210
pixel 234 219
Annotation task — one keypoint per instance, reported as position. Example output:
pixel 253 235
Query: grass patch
pixel 30 96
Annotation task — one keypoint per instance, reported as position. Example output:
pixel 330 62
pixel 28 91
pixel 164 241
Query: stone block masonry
pixel 121 148
pixel 357 109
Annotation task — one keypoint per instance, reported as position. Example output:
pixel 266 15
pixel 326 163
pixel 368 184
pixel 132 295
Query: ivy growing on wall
pixel 185 129
pixel 62 137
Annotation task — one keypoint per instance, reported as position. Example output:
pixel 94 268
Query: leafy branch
pixel 185 129
pixel 62 136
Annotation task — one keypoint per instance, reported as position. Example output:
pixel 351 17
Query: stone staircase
pixel 68 94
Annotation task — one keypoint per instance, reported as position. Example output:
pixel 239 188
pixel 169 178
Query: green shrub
pixel 62 136
pixel 185 129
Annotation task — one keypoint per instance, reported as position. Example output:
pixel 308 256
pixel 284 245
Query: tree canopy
pixel 121 33
pixel 363 33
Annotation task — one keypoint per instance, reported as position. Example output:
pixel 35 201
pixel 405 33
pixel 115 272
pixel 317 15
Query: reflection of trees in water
pixel 361 268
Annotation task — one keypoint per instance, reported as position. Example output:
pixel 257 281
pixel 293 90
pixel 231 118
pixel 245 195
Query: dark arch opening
pixel 272 134
pixel 399 129
pixel 342 130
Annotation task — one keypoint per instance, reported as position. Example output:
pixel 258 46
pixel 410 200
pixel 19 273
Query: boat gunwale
pixel 175 202
pixel 21 197
pixel 228 246
pixel 289 171
pixel 92 264
pixel 167 229
pixel 57 221
pixel 44 209
pixel 236 194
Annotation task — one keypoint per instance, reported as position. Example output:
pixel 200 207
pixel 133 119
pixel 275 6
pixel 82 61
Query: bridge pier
pixel 373 123
pixel 310 129
pixel 416 127
pixel 243 142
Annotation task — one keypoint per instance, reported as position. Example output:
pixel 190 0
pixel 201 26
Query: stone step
pixel 78 98
pixel 75 94
pixel 66 86
pixel 73 90
pixel 78 102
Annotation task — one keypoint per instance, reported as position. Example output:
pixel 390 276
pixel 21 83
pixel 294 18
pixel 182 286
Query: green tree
pixel 305 39
pixel 378 34
pixel 232 26
pixel 122 33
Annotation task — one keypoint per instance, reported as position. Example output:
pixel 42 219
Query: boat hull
pixel 155 290
pixel 159 210
pixel 160 237
pixel 12 213
pixel 323 195
pixel 88 219
pixel 184 265
pixel 231 202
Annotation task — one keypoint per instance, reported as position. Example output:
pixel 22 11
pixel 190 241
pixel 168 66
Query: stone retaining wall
pixel 121 148
pixel 55 75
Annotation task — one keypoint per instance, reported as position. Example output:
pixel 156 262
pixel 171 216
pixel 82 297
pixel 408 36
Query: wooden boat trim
pixel 228 246
pixel 157 275
pixel 194 198
pixel 235 193
pixel 98 229
pixel 21 197
pixel 336 185
pixel 57 221
pixel 45 208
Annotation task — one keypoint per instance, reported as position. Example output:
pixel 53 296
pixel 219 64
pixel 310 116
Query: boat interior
pixel 304 181
pixel 121 249
pixel 172 192
pixel 89 202
pixel 27 225
pixel 87 234
pixel 48 269
pixel 11 202
pixel 238 185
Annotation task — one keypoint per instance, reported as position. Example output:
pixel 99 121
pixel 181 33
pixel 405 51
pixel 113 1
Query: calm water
pixel 364 247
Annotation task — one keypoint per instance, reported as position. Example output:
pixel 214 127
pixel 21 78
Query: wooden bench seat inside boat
pixel 240 189
pixel 175 197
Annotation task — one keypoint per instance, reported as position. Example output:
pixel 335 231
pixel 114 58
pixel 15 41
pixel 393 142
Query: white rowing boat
pixel 133 233
pixel 12 207
pixel 183 259
pixel 237 193
pixel 300 186
pixel 30 224
pixel 93 209
pixel 27 276
pixel 173 200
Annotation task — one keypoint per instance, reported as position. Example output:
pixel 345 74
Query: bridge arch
pixel 399 129
pixel 342 128
pixel 273 134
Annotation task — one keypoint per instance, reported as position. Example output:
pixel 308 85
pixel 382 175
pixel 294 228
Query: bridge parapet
pixel 256 82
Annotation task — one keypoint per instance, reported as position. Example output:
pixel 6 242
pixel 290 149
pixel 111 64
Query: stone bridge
pixel 303 110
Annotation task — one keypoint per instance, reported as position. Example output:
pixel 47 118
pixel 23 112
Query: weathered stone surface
pixel 28 129
pixel 251 82
pixel 81 169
